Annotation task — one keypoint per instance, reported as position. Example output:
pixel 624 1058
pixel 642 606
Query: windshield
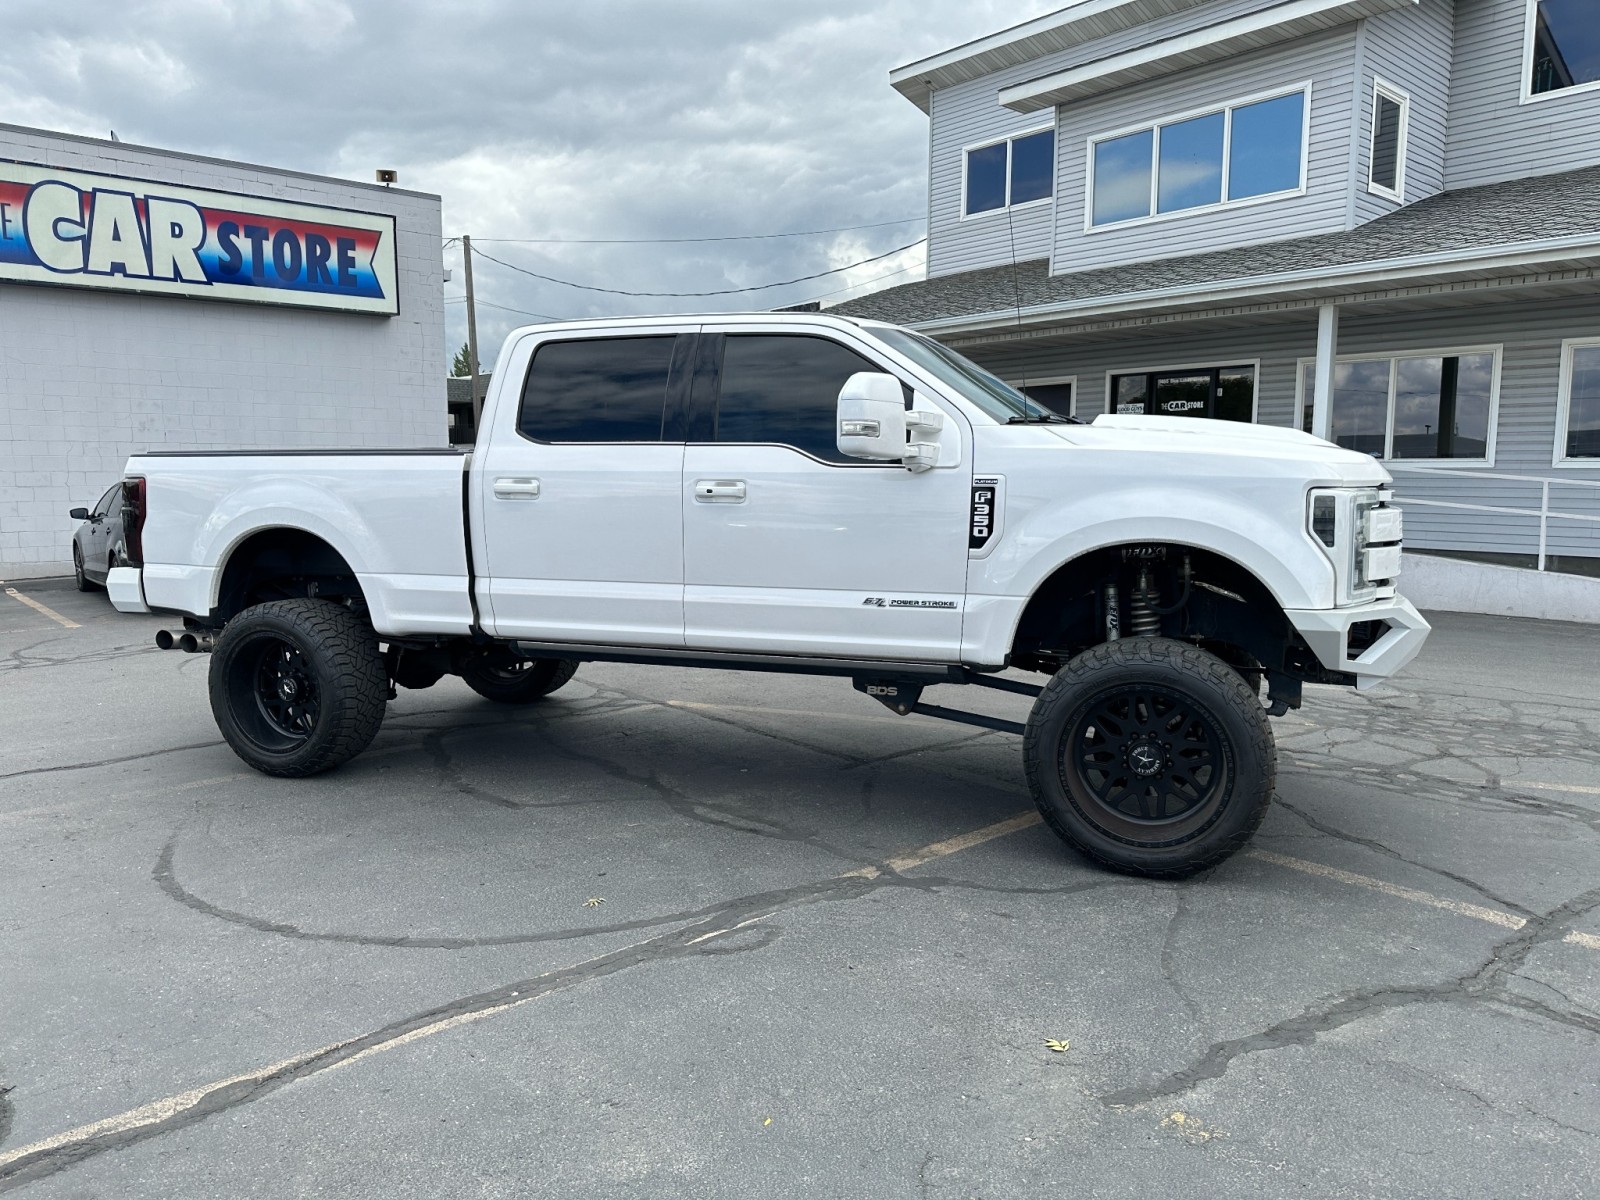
pixel 996 397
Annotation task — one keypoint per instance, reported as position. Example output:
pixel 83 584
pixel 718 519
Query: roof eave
pixel 1582 251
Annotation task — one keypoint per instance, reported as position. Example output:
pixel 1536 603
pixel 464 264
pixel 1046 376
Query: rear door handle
pixel 516 489
pixel 719 491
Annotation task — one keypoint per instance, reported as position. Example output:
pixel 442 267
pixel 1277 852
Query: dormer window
pixel 1243 152
pixel 1563 46
pixel 1020 170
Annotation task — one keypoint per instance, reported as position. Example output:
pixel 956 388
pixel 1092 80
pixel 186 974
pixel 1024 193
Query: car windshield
pixel 996 397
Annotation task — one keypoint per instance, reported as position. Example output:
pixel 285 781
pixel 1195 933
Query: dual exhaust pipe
pixel 189 643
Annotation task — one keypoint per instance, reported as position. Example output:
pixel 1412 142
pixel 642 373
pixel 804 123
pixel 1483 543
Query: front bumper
pixel 1327 632
pixel 126 590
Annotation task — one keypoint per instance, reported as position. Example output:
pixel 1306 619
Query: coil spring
pixel 1143 620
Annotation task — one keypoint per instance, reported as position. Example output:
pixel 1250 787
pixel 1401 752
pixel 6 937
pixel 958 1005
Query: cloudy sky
pixel 583 119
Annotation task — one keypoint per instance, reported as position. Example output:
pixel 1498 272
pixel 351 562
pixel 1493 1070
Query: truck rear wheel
pixel 298 686
pixel 1150 757
pixel 508 680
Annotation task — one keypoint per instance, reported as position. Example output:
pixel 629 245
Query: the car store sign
pixel 130 235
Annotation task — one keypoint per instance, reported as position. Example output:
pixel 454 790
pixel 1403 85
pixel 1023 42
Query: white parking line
pixel 45 609
pixel 1512 785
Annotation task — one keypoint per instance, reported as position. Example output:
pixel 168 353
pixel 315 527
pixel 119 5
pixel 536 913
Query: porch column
pixel 1322 382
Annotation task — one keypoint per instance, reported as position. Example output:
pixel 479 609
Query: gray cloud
pixel 598 119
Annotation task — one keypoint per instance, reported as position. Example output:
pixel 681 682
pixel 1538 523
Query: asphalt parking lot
pixel 687 933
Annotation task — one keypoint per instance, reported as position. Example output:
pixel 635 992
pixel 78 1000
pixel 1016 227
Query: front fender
pixel 1042 536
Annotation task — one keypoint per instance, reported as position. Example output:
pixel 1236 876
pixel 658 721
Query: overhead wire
pixel 759 287
pixel 737 237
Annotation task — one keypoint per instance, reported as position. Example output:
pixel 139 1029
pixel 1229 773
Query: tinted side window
pixel 601 390
pixel 110 499
pixel 784 388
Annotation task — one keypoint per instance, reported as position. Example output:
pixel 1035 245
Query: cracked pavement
pixel 387 981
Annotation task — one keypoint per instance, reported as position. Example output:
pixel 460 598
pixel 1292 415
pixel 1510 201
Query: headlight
pixel 1360 532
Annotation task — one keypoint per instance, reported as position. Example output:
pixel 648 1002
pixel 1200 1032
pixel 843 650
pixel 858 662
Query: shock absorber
pixel 1143 620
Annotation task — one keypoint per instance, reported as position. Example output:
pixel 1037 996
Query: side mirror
pixel 872 417
pixel 79 514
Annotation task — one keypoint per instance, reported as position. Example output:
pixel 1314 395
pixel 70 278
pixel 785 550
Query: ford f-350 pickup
pixel 811 494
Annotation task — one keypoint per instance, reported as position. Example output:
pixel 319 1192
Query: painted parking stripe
pixel 45 609
pixel 1512 785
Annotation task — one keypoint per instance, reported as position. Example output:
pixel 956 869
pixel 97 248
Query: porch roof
pixel 1541 223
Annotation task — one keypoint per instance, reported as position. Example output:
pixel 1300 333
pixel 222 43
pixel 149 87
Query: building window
pixel 1244 151
pixel 1058 393
pixel 1391 110
pixel 1578 409
pixel 1419 406
pixel 1016 171
pixel 1226 393
pixel 1563 46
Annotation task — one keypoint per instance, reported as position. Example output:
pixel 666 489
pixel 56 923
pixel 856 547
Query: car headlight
pixel 1359 530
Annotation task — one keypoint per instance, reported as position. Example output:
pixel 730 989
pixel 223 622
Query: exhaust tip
pixel 188 643
pixel 164 639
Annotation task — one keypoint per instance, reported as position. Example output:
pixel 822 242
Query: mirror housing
pixel 79 514
pixel 872 417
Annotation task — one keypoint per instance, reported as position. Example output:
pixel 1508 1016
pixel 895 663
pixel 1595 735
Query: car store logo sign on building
pixel 101 231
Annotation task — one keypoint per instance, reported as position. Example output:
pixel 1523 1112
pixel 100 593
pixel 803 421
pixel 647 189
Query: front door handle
pixel 719 491
pixel 516 488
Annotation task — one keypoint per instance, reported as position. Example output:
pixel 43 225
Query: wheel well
pixel 1164 589
pixel 282 564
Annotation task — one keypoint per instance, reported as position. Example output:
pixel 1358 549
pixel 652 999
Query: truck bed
pixel 396 516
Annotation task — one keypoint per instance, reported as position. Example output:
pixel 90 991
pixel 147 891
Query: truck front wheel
pixel 298 686
pixel 1151 757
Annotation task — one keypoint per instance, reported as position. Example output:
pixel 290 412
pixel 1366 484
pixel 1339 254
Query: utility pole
pixel 472 335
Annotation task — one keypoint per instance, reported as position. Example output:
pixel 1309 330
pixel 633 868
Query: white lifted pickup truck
pixel 810 494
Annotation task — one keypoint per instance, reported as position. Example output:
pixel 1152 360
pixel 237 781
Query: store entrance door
pixel 1222 393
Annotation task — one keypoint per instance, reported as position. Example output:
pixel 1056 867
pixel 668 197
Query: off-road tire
pixel 1219 723
pixel 516 681
pixel 327 652
pixel 78 577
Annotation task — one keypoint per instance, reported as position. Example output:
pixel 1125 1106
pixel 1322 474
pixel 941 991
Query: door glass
pixel 784 389
pixel 597 390
pixel 1236 394
pixel 1130 393
pixel 1186 395
pixel 108 500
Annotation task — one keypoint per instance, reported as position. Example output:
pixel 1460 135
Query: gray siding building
pixel 1378 220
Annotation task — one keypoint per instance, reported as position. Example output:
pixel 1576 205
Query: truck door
pixel 789 546
pixel 578 487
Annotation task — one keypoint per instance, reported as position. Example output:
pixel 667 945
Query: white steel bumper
pixel 126 590
pixel 1327 632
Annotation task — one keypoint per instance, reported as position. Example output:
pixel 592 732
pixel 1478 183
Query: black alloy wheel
pixel 1151 757
pixel 78 576
pixel 298 686
pixel 498 676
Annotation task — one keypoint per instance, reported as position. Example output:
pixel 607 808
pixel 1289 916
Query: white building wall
pixel 88 377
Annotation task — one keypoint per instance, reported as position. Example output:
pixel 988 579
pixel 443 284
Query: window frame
pixel 967 151
pixel 1497 349
pixel 1049 381
pixel 1525 92
pixel 1558 454
pixel 1305 88
pixel 1215 365
pixel 1384 89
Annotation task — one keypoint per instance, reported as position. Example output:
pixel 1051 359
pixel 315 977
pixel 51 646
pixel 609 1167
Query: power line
pixel 759 287
pixel 524 312
pixel 743 237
